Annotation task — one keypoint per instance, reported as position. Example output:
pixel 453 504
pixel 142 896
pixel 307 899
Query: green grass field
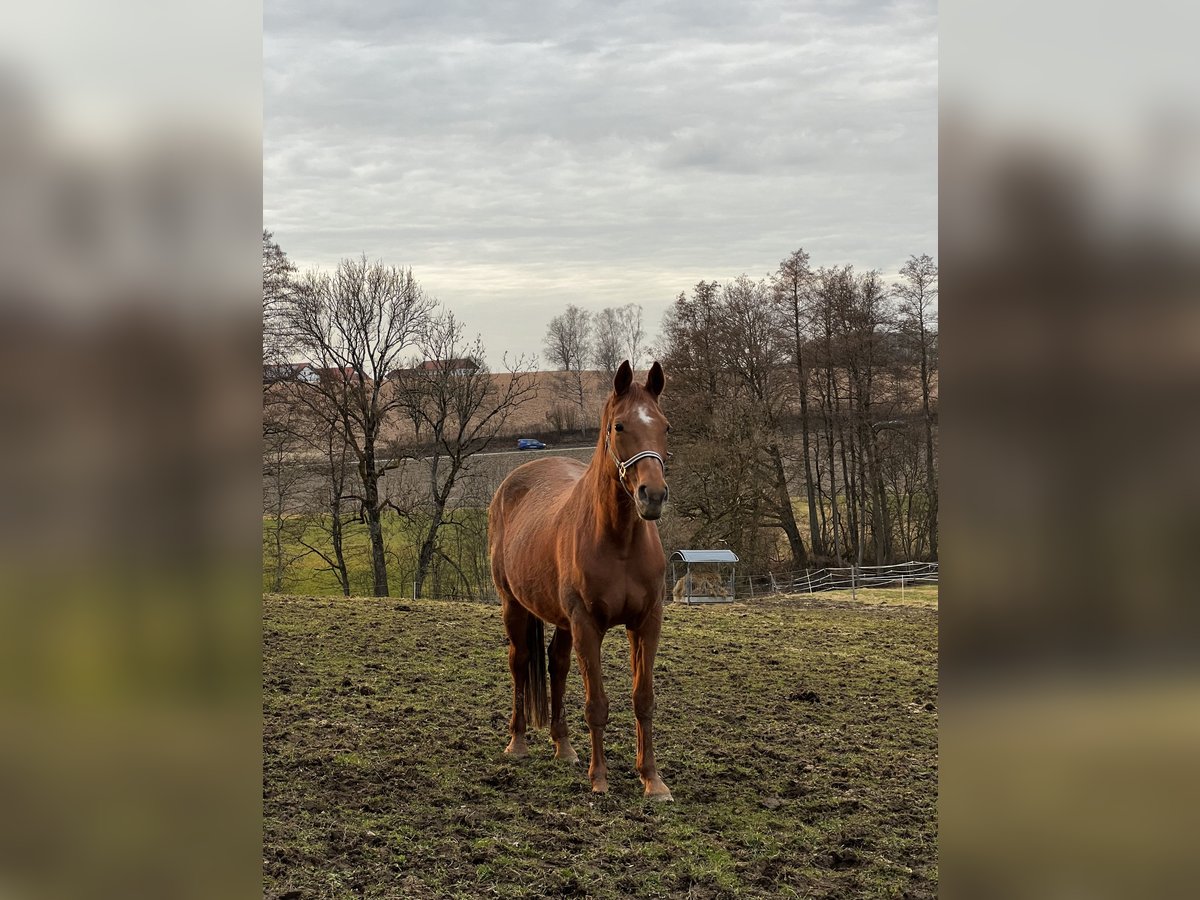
pixel 308 574
pixel 798 736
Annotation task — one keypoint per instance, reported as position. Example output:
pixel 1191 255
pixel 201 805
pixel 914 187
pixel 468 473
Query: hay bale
pixel 704 584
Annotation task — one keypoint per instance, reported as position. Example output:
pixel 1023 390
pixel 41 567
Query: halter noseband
pixel 623 467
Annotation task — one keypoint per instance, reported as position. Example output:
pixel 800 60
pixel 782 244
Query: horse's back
pixel 522 528
pixel 542 483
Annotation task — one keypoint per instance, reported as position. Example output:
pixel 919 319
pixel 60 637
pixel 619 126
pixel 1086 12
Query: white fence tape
pixel 844 578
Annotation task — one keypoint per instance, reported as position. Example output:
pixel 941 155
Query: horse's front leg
pixel 643 645
pixel 587 637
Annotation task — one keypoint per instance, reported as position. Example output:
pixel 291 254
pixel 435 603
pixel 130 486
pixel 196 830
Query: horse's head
pixel 635 434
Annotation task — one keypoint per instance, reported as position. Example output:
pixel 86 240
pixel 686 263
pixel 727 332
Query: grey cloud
pixel 521 156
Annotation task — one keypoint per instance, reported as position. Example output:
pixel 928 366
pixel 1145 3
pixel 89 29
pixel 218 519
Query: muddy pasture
pixel 798 736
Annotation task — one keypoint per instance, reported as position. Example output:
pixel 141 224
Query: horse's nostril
pixel 642 491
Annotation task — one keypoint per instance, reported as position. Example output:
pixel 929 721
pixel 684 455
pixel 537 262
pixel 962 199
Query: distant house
pixel 454 366
pixel 273 373
pixel 336 373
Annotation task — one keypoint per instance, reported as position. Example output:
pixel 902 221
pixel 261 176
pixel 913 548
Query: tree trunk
pixel 440 497
pixel 378 562
pixel 277 578
pixel 930 472
pixel 428 548
pixel 580 402
pixel 814 526
pixel 833 490
pixel 371 508
pixel 873 489
pixel 814 534
pixel 849 484
pixel 277 536
pixel 787 517
pixel 818 475
pixel 335 536
pixel 437 517
pixel 863 495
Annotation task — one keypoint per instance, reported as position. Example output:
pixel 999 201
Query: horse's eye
pixel 618 427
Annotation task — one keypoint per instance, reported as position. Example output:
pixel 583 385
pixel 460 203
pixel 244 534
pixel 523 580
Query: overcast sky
pixel 523 155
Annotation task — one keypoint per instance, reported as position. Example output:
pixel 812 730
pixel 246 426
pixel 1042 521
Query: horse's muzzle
pixel 650 502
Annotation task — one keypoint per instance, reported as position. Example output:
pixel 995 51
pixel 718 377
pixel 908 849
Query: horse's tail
pixel 537 701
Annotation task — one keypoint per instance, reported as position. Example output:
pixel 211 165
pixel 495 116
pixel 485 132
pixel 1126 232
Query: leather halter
pixel 623 467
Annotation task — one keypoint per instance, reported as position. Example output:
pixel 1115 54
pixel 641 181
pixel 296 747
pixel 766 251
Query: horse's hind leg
pixel 516 623
pixel 560 667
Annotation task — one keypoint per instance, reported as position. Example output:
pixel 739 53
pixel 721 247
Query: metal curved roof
pixel 705 556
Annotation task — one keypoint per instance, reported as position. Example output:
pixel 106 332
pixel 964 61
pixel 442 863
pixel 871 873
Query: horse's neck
pixel 612 508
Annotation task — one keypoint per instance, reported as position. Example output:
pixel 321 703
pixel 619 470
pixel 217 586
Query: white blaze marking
pixel 644 415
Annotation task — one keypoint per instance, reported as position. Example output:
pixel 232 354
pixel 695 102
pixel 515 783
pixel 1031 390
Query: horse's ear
pixel 624 379
pixel 655 380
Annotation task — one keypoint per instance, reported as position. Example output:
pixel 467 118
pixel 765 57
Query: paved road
pixel 549 451
pixel 488 470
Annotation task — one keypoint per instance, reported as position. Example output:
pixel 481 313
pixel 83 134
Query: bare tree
pixel 875 322
pixel 278 290
pixel 731 392
pixel 608 349
pixel 632 335
pixel 331 499
pixel 861 349
pixel 279 285
pixel 457 408
pixel 917 296
pixel 823 349
pixel 755 350
pixel 568 340
pixel 356 324
pixel 568 344
pixel 617 334
pixel 283 484
pixel 828 286
pixel 689 338
pixel 792 291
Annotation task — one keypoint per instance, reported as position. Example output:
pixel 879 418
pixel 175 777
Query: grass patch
pixel 923 596
pixel 798 737
pixel 465 541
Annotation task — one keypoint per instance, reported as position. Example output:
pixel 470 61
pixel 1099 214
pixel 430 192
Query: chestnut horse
pixel 577 546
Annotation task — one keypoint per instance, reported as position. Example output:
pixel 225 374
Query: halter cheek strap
pixel 623 467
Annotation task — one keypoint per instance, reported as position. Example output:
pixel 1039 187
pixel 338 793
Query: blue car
pixel 530 444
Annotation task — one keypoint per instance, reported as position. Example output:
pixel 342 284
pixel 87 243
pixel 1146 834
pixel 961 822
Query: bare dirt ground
pixel 798 736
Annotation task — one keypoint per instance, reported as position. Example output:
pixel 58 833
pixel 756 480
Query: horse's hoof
pixel 570 756
pixel 600 786
pixel 516 749
pixel 657 791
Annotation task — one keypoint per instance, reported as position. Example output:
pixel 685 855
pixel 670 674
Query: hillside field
pixel 798 736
